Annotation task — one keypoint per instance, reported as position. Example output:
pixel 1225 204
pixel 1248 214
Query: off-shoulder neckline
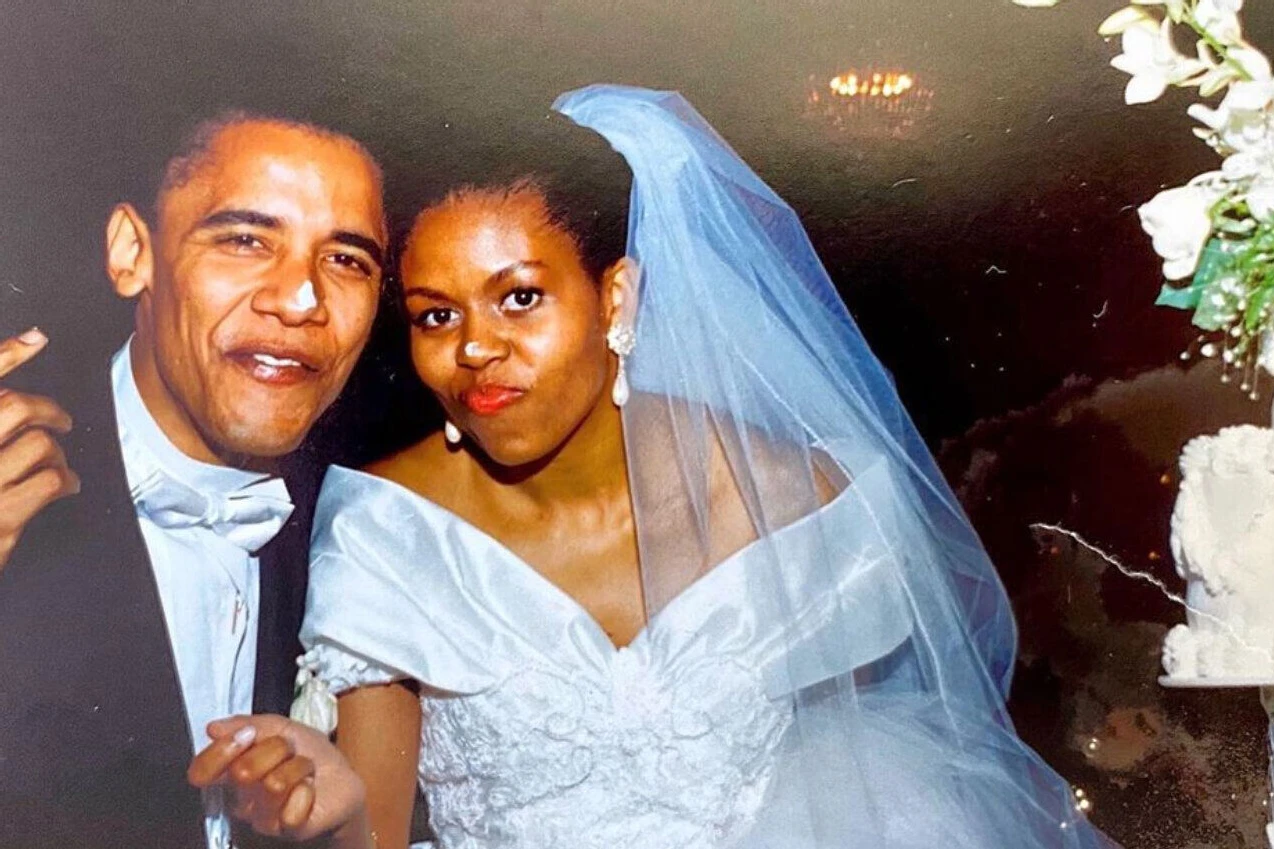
pixel 697 587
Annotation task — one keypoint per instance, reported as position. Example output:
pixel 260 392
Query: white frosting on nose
pixel 305 299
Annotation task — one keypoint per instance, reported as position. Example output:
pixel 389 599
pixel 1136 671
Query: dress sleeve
pixel 326 671
pixel 383 602
pixel 839 604
pixel 341 669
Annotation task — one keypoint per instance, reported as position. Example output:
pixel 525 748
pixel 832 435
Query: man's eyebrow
pixel 363 243
pixel 253 218
pixel 239 216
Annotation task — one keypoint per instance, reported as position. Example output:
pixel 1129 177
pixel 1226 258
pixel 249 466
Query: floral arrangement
pixel 1217 231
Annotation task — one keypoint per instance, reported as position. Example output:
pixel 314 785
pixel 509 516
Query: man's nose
pixel 294 299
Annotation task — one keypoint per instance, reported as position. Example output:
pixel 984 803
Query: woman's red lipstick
pixel 490 399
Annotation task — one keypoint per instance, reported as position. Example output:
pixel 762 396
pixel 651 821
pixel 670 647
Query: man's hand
pixel 33 470
pixel 284 779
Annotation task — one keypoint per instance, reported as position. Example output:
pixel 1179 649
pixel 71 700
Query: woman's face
pixel 508 329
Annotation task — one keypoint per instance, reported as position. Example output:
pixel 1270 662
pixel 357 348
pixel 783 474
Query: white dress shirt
pixel 208 585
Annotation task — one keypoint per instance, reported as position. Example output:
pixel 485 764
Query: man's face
pixel 266 279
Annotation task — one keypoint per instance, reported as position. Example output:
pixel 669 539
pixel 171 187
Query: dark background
pixel 990 251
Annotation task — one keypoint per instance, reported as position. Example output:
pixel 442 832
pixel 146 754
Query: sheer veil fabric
pixel 756 404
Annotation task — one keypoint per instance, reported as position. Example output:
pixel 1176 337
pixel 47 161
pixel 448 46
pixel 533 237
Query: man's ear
pixel 620 283
pixel 130 258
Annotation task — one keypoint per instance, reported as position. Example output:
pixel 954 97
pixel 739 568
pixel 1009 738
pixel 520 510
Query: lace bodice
pixel 545 760
pixel 537 731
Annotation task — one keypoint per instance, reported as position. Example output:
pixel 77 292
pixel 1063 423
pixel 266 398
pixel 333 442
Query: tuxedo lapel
pixel 94 739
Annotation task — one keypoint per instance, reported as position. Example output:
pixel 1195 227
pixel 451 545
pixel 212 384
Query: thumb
pixel 266 724
pixel 227 726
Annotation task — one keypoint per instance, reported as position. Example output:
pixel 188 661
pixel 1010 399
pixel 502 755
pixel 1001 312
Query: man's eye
pixel 432 319
pixel 522 299
pixel 352 263
pixel 240 242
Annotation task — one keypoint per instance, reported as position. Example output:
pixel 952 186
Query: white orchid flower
pixel 1220 19
pixel 1255 168
pixel 1260 198
pixel 1253 62
pixel 1122 20
pixel 1179 222
pixel 1215 79
pixel 1241 166
pixel 1153 61
pixel 1249 96
pixel 1176 8
pixel 1243 98
pixel 1035 4
pixel 1241 122
pixel 1218 75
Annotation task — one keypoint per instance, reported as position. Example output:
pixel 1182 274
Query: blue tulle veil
pixel 750 377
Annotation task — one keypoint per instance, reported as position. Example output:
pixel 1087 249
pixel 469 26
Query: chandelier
pixel 875 103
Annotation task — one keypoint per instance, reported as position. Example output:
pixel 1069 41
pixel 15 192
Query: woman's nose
pixel 477 350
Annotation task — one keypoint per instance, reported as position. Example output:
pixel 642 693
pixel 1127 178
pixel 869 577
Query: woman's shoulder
pixel 807 477
pixel 417 467
pixel 742 450
pixel 364 500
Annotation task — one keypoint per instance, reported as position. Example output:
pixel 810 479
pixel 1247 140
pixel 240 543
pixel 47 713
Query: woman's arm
pixel 379 733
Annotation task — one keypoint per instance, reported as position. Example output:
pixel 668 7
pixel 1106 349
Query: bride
pixel 679 571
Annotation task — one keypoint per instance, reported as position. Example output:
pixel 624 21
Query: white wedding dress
pixel 538 732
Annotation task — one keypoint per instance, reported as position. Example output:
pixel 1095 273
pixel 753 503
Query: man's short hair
pixel 196 145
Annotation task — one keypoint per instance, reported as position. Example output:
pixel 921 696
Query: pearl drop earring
pixel 622 341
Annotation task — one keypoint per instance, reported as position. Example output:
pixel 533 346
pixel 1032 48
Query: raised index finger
pixel 19 349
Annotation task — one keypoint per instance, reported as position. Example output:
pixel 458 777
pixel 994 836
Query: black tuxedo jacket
pixel 94 741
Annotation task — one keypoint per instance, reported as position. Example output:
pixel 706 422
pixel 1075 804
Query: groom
pixel 170 591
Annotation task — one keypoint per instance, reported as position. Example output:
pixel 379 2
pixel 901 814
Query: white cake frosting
pixel 1223 544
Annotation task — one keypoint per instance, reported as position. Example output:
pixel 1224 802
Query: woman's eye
pixel 522 299
pixel 434 318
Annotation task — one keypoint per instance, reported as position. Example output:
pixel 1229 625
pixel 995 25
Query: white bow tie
pixel 249 517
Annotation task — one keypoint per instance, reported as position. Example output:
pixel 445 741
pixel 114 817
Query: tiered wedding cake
pixel 1223 544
